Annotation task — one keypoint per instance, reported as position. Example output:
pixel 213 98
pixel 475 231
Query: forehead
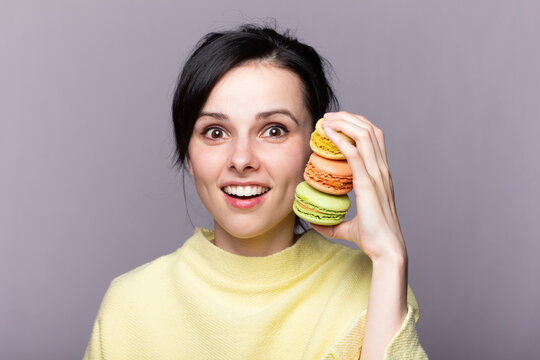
pixel 255 87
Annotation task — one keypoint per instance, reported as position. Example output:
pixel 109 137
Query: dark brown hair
pixel 218 52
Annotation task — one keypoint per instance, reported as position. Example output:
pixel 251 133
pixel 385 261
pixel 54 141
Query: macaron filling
pixel 318 207
pixel 317 211
pixel 323 144
pixel 325 180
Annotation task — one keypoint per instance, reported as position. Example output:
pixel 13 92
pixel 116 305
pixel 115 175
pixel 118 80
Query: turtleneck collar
pixel 274 270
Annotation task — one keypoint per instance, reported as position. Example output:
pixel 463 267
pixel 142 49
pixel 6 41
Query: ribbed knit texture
pixel 200 302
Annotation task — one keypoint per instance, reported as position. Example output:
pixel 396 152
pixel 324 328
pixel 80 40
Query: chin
pixel 250 229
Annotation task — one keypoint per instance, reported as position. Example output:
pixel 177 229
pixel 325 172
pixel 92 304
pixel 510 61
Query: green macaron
pixel 319 208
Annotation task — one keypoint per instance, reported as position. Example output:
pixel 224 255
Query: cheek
pixel 203 166
pixel 303 151
pixel 290 160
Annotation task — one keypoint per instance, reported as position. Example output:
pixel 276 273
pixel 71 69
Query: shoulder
pixel 155 272
pixel 147 282
pixel 140 281
pixel 154 280
pixel 145 273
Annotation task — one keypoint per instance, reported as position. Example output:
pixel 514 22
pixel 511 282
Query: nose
pixel 242 157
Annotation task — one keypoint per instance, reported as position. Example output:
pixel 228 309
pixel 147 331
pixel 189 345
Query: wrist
pixel 392 251
pixel 396 260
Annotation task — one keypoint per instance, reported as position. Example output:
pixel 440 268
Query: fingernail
pixel 328 129
pixel 329 114
pixel 326 122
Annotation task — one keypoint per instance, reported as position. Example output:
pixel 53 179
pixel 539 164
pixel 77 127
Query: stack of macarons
pixel 321 199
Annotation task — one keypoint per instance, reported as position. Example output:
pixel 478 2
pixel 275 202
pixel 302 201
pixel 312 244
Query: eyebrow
pixel 260 116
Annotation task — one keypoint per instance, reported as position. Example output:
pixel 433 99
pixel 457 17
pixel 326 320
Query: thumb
pixel 338 231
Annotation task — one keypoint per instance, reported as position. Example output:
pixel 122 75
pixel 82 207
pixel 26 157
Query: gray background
pixel 87 191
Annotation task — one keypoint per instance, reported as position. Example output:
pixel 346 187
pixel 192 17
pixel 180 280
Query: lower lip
pixel 245 203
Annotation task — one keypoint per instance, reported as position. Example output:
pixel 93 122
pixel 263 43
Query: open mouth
pixel 245 192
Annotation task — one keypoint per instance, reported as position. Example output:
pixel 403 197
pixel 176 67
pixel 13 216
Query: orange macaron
pixel 329 176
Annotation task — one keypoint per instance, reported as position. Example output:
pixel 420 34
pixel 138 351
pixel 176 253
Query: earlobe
pixel 190 166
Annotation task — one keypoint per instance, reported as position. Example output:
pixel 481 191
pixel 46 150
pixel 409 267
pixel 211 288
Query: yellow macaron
pixel 321 144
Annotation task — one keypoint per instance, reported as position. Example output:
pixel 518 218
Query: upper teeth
pixel 245 190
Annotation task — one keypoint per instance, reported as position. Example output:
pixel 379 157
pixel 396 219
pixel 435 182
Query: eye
pixel 275 131
pixel 214 133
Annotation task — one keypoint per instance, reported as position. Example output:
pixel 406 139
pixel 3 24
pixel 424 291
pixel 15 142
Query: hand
pixel 375 228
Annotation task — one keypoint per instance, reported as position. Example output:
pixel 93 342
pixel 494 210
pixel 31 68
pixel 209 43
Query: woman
pixel 244 108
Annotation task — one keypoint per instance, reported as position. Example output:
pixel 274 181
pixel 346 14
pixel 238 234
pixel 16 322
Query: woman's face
pixel 249 148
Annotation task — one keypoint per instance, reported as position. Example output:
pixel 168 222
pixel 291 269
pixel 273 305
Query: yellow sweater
pixel 200 302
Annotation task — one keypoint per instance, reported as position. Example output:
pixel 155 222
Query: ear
pixel 189 164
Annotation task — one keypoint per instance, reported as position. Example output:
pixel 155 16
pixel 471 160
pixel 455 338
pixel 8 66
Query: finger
pixel 376 168
pixel 379 140
pixel 361 177
pixel 339 231
pixel 377 135
pixel 367 175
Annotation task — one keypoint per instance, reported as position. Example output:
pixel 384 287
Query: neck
pixel 270 242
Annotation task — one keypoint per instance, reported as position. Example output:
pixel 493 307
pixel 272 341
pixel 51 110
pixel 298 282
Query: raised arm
pixel 375 228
